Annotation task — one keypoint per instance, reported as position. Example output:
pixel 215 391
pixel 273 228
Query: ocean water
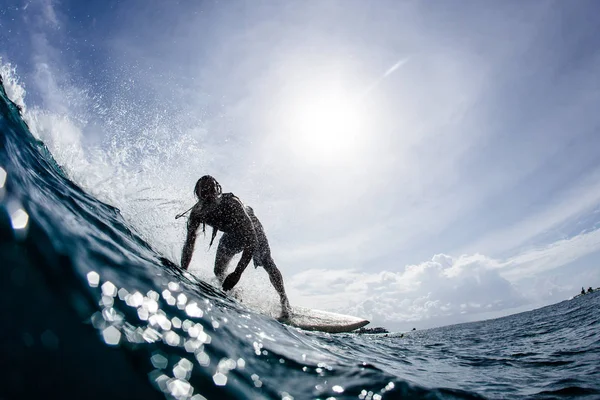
pixel 91 310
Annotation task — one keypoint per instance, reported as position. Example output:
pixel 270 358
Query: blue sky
pixel 435 159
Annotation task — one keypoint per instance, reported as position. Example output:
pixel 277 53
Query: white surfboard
pixel 305 318
pixel 323 321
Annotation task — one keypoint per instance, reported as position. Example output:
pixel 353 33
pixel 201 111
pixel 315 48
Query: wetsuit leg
pixel 277 281
pixel 262 257
pixel 228 248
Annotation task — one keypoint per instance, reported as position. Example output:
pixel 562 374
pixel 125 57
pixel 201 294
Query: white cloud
pixel 445 290
pixel 434 290
pixel 551 256
pixel 580 198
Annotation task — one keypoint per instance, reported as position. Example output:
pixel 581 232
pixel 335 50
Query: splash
pixel 139 158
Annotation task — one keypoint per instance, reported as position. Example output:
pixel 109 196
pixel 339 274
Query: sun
pixel 326 128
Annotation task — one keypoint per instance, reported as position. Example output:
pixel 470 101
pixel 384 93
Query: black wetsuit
pixel 234 240
pixel 242 232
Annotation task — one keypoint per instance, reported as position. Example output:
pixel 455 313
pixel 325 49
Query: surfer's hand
pixel 231 280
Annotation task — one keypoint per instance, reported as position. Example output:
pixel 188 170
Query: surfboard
pixel 301 317
pixel 323 321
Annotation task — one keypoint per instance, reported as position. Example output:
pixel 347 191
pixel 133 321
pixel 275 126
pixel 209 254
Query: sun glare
pixel 326 128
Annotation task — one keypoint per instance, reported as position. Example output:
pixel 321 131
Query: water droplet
pixel 191 345
pixel 183 369
pixel 186 325
pixel 171 338
pixel 150 304
pixel 109 289
pixel 19 219
pixel 111 315
pixel 134 300
pixel 162 381
pixel 256 380
pixel 143 314
pixel 181 300
pixel 179 388
pixel 152 295
pixel 159 361
pixel 338 389
pixel 98 320
pixel 150 335
pixel 93 278
pixel 2 177
pixel 160 320
pixel 193 310
pixel 226 365
pixel 220 379
pixel 112 336
pixel 203 359
pixel 123 294
pixel 107 301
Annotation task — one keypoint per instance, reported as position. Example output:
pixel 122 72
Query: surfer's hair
pixel 207 186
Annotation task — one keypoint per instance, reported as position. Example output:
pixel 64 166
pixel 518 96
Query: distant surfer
pixel 242 232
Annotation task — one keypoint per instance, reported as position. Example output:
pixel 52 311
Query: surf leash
pixel 183 213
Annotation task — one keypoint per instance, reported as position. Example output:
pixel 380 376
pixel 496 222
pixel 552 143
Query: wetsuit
pixel 242 231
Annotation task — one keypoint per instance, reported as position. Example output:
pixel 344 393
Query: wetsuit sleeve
pixel 193 224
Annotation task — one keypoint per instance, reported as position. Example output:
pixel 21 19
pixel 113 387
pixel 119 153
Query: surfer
pixel 242 232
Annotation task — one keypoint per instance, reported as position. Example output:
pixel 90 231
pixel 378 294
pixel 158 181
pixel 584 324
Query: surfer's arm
pixel 190 240
pixel 246 228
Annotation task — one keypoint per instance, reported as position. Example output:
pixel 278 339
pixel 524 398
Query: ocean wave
pixel 93 309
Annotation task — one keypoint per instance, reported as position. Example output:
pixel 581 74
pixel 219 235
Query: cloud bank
pixel 426 293
pixel 445 289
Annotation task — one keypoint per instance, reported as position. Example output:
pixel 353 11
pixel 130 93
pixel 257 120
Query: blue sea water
pixel 90 310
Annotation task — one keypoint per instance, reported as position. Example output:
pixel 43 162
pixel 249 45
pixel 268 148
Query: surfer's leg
pixel 221 261
pixel 262 257
pixel 225 252
pixel 277 281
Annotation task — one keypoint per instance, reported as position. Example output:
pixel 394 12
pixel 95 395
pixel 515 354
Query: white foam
pixel 143 164
pixel 14 89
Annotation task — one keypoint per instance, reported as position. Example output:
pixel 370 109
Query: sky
pixel 415 163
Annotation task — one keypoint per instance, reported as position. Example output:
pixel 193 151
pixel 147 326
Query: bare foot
pixel 286 310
